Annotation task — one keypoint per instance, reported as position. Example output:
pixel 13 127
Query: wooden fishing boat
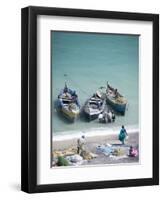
pixel 94 106
pixel 68 104
pixel 116 100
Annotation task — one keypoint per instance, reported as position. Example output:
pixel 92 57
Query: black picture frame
pixel 29 98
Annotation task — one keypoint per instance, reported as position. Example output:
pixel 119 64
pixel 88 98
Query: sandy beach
pixel 92 142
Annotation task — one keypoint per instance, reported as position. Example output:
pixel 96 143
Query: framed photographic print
pixel 90 99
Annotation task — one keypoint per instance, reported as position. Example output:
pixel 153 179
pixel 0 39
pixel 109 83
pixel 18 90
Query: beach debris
pixel 54 161
pixel 66 152
pixel 105 149
pixel 112 150
pixel 74 159
pixel 108 145
pixel 88 155
pixel 118 157
pixel 133 152
pixel 62 161
pixel 93 155
pixel 57 153
pixel 119 152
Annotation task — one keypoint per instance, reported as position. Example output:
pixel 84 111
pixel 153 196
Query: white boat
pixel 94 106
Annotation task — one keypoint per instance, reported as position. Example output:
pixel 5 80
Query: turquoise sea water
pixel 90 60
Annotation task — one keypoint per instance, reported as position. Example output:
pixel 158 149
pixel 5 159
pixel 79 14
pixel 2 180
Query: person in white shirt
pixel 80 144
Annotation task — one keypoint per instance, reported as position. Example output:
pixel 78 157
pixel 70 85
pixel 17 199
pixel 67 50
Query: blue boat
pixel 116 100
pixel 68 104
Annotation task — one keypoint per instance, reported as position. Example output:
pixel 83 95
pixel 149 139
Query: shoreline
pixel 92 132
pixel 98 136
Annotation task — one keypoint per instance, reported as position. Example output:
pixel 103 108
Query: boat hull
pixel 91 117
pixel 92 114
pixel 120 108
pixel 68 104
pixel 70 115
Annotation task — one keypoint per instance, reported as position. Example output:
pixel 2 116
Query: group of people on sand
pixel 133 152
pixel 82 141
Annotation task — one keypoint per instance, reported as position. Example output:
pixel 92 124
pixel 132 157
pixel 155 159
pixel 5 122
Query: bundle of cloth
pixel 105 149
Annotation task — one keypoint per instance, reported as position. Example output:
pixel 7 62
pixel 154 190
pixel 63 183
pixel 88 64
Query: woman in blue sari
pixel 122 135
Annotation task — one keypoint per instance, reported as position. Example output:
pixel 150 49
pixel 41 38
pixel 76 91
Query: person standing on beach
pixel 80 144
pixel 122 135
